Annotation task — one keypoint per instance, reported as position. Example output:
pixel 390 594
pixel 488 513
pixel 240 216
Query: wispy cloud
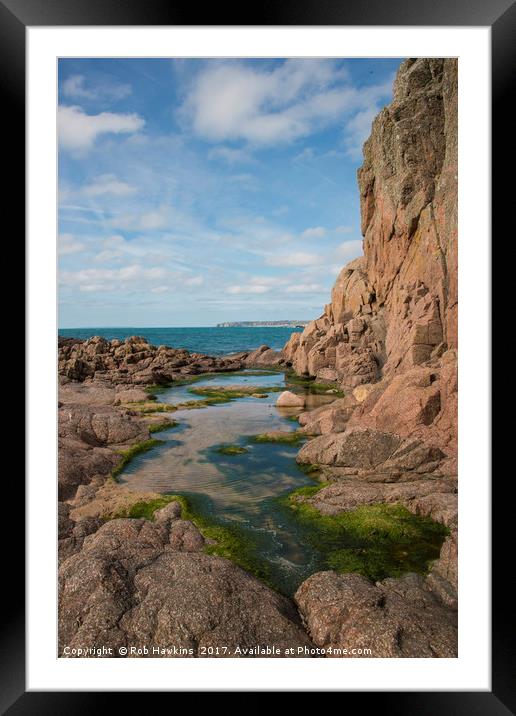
pixel 294 258
pixel 315 232
pixel 248 289
pixel 78 131
pixel 349 250
pixel 77 87
pixel 230 155
pixel 69 244
pixel 108 184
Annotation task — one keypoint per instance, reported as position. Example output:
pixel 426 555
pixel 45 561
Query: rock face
pixel 396 307
pixel 90 428
pixel 365 451
pixel 389 337
pixel 137 583
pixel 394 618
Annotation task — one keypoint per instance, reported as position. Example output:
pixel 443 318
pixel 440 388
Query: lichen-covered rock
pixel 357 448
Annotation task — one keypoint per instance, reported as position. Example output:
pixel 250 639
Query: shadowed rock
pixel 394 618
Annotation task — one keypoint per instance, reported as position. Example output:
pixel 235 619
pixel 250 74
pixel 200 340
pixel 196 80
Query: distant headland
pixel 257 324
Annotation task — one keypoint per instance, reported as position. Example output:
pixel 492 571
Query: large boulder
pixel 393 618
pixel 137 583
pixel 287 399
pixel 264 357
pixel 354 448
pixel 100 425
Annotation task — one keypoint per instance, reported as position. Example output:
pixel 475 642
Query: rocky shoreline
pixel 388 339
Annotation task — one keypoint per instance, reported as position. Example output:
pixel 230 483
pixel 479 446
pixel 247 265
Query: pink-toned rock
pixel 395 309
pixel 331 418
pixel 264 356
pixel 393 618
pixel 287 399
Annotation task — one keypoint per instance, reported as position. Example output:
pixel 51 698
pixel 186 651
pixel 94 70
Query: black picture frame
pixel 500 15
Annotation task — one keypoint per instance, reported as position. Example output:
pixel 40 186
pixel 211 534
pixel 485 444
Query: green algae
pixel 164 425
pixel 231 450
pixel 226 540
pixel 145 508
pixel 310 386
pixel 377 541
pixel 309 469
pixel 130 453
pixel 292 438
pixel 216 395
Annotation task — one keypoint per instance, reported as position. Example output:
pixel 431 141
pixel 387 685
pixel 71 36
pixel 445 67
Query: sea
pixel 210 339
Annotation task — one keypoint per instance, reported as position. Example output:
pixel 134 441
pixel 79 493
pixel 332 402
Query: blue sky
pixel 198 191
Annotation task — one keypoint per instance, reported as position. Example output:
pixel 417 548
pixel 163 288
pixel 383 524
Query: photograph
pixel 257 357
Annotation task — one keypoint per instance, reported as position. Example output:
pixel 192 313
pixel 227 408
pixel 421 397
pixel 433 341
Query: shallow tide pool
pixel 247 492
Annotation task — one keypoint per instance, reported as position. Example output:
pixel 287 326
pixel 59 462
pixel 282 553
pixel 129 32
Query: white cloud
pixel 194 281
pixel 146 221
pixel 230 155
pixel 93 279
pixel 307 154
pixel 108 184
pixel 78 131
pixel 343 229
pixel 114 248
pixel 304 288
pixel 231 101
pixel 256 288
pixel 68 244
pixel 75 87
pixel 315 232
pixel 153 220
pixel 349 250
pixel 295 258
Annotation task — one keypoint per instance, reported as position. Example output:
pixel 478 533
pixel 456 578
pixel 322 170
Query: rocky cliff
pixel 389 338
pixel 395 309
